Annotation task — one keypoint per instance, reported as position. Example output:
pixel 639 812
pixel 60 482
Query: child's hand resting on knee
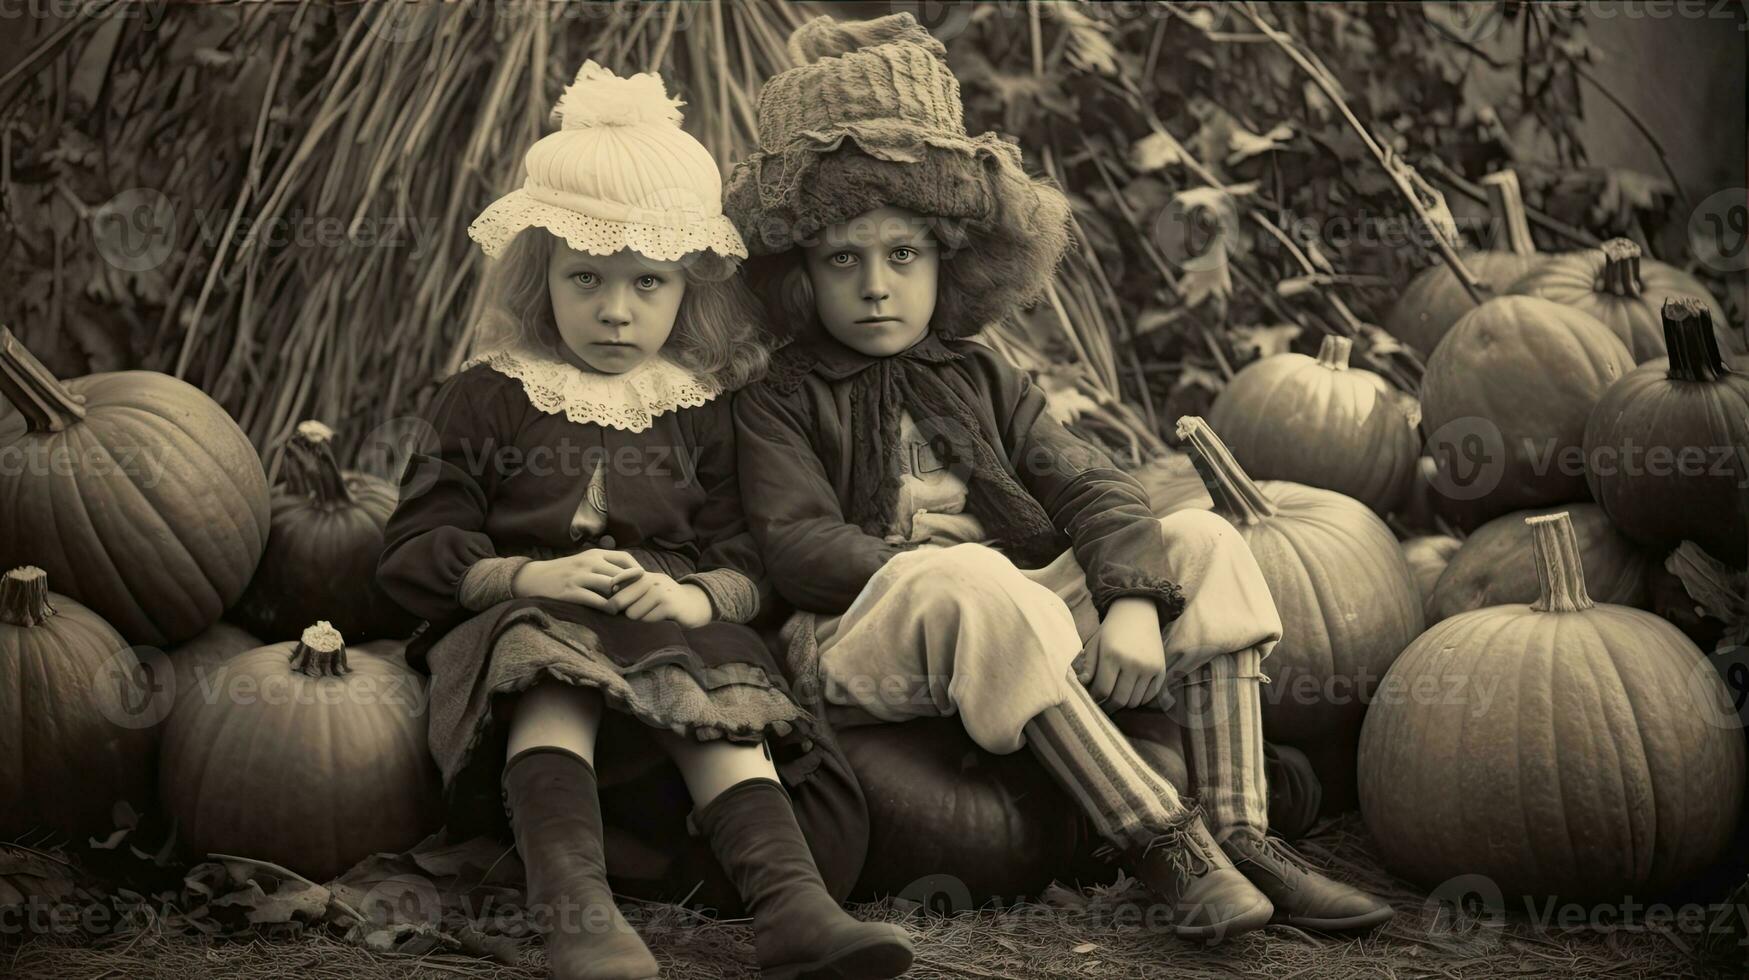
pixel 585 578
pixel 651 596
pixel 1126 660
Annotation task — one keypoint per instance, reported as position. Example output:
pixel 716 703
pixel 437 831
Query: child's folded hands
pixel 645 595
pixel 585 578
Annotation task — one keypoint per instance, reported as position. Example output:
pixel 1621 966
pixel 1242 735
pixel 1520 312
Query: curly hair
pixel 718 330
pixel 1001 234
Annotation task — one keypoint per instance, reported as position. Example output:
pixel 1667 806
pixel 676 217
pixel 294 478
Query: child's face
pixel 874 280
pixel 614 311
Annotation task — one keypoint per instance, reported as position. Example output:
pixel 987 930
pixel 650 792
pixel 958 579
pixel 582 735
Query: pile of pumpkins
pixel 134 516
pixel 1522 713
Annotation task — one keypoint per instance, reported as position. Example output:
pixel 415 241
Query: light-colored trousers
pixel 961 630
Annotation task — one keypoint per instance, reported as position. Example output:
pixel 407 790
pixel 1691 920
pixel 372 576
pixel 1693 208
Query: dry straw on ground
pixel 1072 934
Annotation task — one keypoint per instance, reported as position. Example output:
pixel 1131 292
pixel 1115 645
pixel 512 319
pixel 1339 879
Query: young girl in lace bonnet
pixel 574 539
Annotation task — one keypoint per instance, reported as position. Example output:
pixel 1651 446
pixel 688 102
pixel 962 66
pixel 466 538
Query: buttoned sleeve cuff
pixel 487 582
pixel 734 596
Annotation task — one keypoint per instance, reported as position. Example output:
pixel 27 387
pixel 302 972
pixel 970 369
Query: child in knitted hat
pixel 913 497
pixel 575 541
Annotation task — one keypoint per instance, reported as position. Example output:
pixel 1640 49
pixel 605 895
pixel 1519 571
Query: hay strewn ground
pixel 1093 934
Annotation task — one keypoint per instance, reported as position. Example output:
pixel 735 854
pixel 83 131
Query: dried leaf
pixel 288 901
pixel 1245 144
pixel 1266 341
pixel 1721 592
pixel 1085 948
pixel 1157 150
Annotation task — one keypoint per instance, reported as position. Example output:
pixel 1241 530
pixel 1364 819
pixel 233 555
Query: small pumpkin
pixel 1347 602
pixel 1496 565
pixel 1566 748
pixel 1505 399
pixel 1667 446
pixel 322 550
pixel 1434 300
pixel 77 719
pixel 304 753
pixel 1624 291
pixel 1428 556
pixel 144 500
pixel 1293 417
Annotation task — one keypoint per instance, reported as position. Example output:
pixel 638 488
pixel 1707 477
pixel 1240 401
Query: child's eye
pixel 649 282
pixel 848 259
pixel 904 254
pixel 587 280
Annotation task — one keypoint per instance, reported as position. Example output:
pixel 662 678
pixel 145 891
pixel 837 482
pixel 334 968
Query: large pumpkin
pixel 304 753
pixel 1504 401
pixel 139 496
pixel 322 551
pixel 1319 422
pixel 1347 602
pixel 197 661
pixel 1668 445
pixel 77 721
pixel 1173 484
pixel 1434 300
pixel 1624 291
pixel 1496 567
pixel 1564 748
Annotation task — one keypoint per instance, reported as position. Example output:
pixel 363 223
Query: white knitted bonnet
pixel 619 173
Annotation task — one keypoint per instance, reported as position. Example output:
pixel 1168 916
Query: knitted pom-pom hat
pixel 872 118
pixel 619 173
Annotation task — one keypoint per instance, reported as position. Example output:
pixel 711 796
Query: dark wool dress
pixel 501 482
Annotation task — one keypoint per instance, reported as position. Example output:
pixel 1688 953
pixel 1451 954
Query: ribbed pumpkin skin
pixel 196 659
pixel 1289 417
pixel 1495 566
pixel 1347 602
pixel 320 563
pixel 1173 485
pixel 63 761
pixel 159 552
pixel 1663 508
pixel 1428 557
pixel 1575 280
pixel 313 786
pixel 1433 302
pixel 1592 773
pixel 938 804
pixel 1531 370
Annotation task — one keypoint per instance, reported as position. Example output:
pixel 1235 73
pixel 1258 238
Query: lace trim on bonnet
pixel 631 401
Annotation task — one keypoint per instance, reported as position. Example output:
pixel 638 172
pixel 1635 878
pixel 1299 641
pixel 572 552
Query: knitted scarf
pixel 881 390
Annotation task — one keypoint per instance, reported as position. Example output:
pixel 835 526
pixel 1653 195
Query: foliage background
pixel 270 200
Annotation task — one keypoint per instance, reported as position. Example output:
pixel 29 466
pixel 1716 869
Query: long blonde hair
pixel 717 331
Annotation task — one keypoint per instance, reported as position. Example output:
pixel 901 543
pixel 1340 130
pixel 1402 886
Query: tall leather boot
pixel 550 795
pixel 798 930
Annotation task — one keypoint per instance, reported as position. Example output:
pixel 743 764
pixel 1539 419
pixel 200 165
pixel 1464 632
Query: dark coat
pixel 793 433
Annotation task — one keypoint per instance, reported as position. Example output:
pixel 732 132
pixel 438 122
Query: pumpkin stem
pixel 1621 267
pixel 45 403
pixel 1559 569
pixel 1688 335
pixel 311 466
pixel 24 597
pixel 1232 490
pixel 1506 202
pixel 1333 352
pixel 321 652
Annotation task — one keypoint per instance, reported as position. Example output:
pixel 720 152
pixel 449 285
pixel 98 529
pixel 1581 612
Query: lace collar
pixel 631 401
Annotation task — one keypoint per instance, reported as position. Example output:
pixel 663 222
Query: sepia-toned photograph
pixel 728 489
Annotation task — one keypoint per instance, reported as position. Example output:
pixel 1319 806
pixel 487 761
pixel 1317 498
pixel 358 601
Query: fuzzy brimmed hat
pixel 871 117
pixel 619 173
